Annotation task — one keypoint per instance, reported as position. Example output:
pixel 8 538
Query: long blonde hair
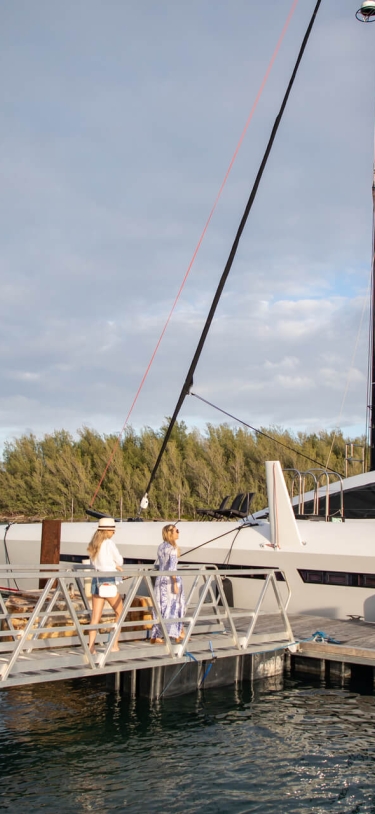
pixel 98 538
pixel 167 533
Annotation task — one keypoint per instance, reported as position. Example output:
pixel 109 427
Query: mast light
pixel 366 14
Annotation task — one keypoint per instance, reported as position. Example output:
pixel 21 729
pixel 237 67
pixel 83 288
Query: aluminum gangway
pixel 44 630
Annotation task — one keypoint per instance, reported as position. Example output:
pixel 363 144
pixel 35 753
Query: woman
pixel 169 591
pixel 104 556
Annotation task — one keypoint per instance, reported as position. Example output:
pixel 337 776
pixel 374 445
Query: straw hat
pixel 106 523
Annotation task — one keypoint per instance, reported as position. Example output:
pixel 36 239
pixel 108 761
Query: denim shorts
pixel 96 581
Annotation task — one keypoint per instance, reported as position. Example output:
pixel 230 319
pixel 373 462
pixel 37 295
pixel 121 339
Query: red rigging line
pixel 200 241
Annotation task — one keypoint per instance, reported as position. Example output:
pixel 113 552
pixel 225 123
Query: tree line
pixel 57 475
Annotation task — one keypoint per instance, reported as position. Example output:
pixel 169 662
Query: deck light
pixel 366 14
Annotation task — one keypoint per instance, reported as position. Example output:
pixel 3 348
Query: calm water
pixel 283 747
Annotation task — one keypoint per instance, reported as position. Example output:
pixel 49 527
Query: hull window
pixel 340 578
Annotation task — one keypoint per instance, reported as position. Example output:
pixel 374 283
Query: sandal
pixel 157 641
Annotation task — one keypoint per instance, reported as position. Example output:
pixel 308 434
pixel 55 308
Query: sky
pixel 119 121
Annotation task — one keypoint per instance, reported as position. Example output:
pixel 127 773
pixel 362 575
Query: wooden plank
pixel 341 652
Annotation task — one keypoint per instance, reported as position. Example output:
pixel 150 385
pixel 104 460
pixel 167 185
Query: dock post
pixel 337 671
pixel 113 682
pixel 128 683
pixel 310 665
pixel 50 545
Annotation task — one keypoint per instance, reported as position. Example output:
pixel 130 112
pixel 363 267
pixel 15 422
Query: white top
pixel 107 557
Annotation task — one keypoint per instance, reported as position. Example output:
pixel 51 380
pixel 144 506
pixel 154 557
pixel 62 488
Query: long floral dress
pixel 171 605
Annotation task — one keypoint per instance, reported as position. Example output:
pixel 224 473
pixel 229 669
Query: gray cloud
pixel 119 123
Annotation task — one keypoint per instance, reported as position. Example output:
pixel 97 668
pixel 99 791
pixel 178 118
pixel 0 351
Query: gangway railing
pixel 44 632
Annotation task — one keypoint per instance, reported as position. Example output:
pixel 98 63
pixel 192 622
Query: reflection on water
pixel 282 746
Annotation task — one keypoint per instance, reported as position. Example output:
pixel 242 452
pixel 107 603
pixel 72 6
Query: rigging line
pixel 369 352
pixel 213 540
pixel 7 558
pixel 200 241
pixel 189 378
pixel 260 432
pixel 371 402
pixel 227 556
pixel 364 306
pixel 370 333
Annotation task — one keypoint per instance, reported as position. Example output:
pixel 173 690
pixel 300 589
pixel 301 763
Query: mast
pixel 366 14
pixel 189 377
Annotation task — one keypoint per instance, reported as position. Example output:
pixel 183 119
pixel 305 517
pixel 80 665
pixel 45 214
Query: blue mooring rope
pixel 213 658
pixel 319 636
pixel 178 673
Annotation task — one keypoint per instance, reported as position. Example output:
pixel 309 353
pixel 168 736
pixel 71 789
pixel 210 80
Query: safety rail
pixel 320 491
pixel 44 633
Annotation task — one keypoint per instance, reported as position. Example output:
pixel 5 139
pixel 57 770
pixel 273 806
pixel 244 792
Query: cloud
pixel 287 363
pixel 117 131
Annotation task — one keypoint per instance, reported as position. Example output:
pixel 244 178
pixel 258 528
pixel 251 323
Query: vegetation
pixel 57 476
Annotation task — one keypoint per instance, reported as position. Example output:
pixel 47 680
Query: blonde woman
pixel 104 556
pixel 169 591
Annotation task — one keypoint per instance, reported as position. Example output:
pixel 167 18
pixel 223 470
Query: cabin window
pixel 337 578
pixel 312 576
pixel 368 580
pixel 279 576
pixel 353 580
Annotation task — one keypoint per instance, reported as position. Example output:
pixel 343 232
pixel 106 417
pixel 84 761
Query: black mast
pixel 189 378
pixel 366 14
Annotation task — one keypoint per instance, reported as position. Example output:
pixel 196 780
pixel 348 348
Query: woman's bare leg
pixel 116 603
pixel 97 610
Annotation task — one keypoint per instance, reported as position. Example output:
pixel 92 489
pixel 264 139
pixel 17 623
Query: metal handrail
pixel 300 493
pixel 21 651
pixel 327 475
pixel 317 490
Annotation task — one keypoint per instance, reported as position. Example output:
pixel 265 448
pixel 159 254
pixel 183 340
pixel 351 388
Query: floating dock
pixel 345 650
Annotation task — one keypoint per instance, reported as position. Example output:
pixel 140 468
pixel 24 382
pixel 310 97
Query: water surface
pixel 285 746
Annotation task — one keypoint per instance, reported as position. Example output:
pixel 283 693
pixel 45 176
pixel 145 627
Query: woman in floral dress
pixel 169 590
